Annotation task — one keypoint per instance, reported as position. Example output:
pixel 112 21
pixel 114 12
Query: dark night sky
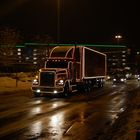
pixel 82 21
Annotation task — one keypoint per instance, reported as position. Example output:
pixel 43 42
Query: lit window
pixel 113 64
pixel 124 63
pixel 11 53
pixel 138 52
pixel 19 49
pixel 123 51
pixel 123 59
pixel 123 55
pixel 34 54
pixel 27 58
pixel 34 62
pixel 34 58
pixel 19 53
pixel 35 50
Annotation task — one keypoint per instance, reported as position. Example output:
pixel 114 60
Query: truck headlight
pixel 55 91
pixel 60 82
pixel 35 82
pixel 38 90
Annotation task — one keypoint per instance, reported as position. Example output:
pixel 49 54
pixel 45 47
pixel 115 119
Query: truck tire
pixel 101 84
pixel 36 94
pixel 87 86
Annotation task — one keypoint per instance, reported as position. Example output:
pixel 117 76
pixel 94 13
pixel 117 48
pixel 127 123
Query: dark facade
pixel 24 58
pixel 32 56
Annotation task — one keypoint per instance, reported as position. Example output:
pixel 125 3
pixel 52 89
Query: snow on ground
pixel 9 83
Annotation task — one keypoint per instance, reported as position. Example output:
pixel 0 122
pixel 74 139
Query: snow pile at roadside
pixel 9 83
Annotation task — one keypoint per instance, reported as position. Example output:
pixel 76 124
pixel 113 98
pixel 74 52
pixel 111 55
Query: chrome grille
pixel 47 79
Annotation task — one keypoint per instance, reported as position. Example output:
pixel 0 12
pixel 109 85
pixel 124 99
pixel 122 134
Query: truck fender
pixel 66 88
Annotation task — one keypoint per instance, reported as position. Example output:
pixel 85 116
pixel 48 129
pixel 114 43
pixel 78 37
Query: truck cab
pixel 54 78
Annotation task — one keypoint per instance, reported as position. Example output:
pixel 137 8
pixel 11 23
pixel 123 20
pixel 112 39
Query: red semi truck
pixel 70 68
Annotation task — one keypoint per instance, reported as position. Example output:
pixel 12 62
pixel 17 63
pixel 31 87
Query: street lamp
pixel 118 37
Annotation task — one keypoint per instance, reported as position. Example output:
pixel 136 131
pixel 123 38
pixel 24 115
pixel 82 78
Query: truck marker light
pixel 36 76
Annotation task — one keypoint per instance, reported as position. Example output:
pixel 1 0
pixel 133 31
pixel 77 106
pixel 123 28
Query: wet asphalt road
pixel 82 116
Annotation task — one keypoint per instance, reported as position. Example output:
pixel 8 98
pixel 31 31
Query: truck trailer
pixel 70 68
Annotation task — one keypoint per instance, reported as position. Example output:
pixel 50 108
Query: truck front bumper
pixel 47 90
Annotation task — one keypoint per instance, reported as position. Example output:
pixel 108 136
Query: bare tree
pixel 9 38
pixel 41 38
pixel 43 42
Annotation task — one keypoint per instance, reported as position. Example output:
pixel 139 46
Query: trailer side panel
pixel 95 63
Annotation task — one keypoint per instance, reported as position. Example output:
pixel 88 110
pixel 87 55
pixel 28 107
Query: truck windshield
pixel 56 64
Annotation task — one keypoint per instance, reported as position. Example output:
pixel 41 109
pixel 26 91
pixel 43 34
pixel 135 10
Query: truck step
pixel 74 88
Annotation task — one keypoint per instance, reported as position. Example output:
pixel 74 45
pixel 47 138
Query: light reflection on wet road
pixel 77 117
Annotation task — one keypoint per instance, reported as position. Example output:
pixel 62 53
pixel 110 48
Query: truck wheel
pixel 80 88
pixel 87 88
pixel 100 84
pixel 36 94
